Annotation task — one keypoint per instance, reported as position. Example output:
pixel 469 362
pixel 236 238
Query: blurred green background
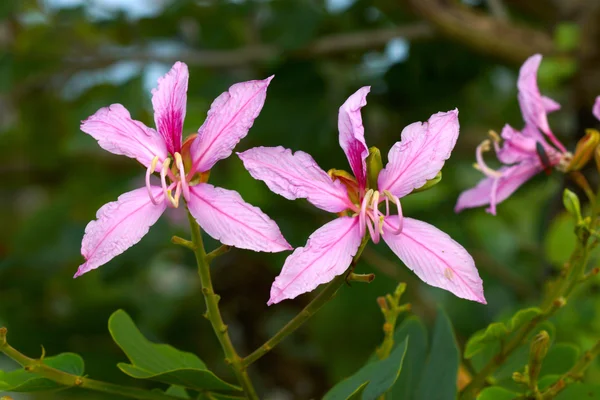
pixel 61 60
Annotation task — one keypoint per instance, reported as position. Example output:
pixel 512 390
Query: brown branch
pixel 482 33
pixel 327 45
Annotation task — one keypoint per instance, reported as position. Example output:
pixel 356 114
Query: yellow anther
pixel 495 137
pixel 153 164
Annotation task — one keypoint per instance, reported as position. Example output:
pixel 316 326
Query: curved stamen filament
pixel 182 177
pixel 362 216
pixel 149 172
pixel 389 196
pixel 163 181
pixel 481 165
pixel 375 216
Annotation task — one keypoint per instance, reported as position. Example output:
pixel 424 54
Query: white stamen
pixel 363 211
pixel 182 177
pixel 396 200
pixel 481 165
pixel 149 172
pixel 163 174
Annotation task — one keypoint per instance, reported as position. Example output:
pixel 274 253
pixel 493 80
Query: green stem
pixel 213 313
pixel 574 373
pixel 37 367
pixel 311 308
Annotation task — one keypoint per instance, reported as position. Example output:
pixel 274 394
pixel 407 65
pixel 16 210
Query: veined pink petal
pixel 225 216
pixel 534 106
pixel 487 192
pixel 118 226
pixel 596 109
pixel 421 153
pixel 516 146
pixel 327 254
pixel 352 134
pixel 169 101
pixel 296 175
pixel 435 257
pixel 230 117
pixel 116 132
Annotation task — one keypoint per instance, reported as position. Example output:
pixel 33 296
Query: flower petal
pixel 169 100
pixel 230 117
pixel 596 109
pixel 327 254
pixel 116 132
pixel 487 192
pixel 516 146
pixel 118 226
pixel 435 257
pixel 295 175
pixel 352 134
pixel 225 216
pixel 534 106
pixel 421 153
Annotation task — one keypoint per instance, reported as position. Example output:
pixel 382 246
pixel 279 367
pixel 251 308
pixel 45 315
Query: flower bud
pixel 374 166
pixel 585 149
pixel 571 203
pixel 537 353
pixel 429 184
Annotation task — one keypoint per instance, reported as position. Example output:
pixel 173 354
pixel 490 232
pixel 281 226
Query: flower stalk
pixel 213 314
pixel 311 308
pixel 37 367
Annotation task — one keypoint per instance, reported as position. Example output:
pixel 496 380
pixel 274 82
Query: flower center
pixel 372 219
pixel 176 177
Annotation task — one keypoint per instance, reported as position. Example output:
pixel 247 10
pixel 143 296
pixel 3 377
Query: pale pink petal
pixel 327 254
pixel 352 134
pixel 116 132
pixel 169 101
pixel 230 117
pixel 516 146
pixel 534 106
pixel 118 226
pixel 596 109
pixel 434 257
pixel 294 176
pixel 225 216
pixel 421 153
pixel 487 192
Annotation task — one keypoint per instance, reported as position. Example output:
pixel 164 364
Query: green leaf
pixel 218 396
pixel 580 391
pixel 378 377
pixel 414 361
pixel 438 381
pixel 23 381
pixel 496 393
pixel 560 358
pixel 160 362
pixel 497 330
pixel 174 390
pixel 481 339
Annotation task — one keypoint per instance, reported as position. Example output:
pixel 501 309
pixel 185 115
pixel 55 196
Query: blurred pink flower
pixel 525 153
pixel 222 213
pixel 430 253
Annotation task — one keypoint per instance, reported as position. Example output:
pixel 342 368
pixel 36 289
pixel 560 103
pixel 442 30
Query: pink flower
pixel 222 213
pixel 524 154
pixel 430 253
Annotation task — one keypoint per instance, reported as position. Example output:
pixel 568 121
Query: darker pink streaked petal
pixel 116 132
pixel 230 117
pixel 596 108
pixel 493 191
pixel 534 106
pixel 435 257
pixel 169 101
pixel 421 153
pixel 118 226
pixel 294 176
pixel 352 134
pixel 327 254
pixel 226 217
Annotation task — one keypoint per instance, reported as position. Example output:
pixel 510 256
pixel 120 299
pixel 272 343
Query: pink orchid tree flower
pixel 435 257
pixel 523 154
pixel 183 168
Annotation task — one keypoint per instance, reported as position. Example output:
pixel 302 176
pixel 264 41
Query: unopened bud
pixel 519 377
pixel 572 204
pixel 382 303
pixel 430 183
pixel 585 149
pixel 374 166
pixel 537 353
